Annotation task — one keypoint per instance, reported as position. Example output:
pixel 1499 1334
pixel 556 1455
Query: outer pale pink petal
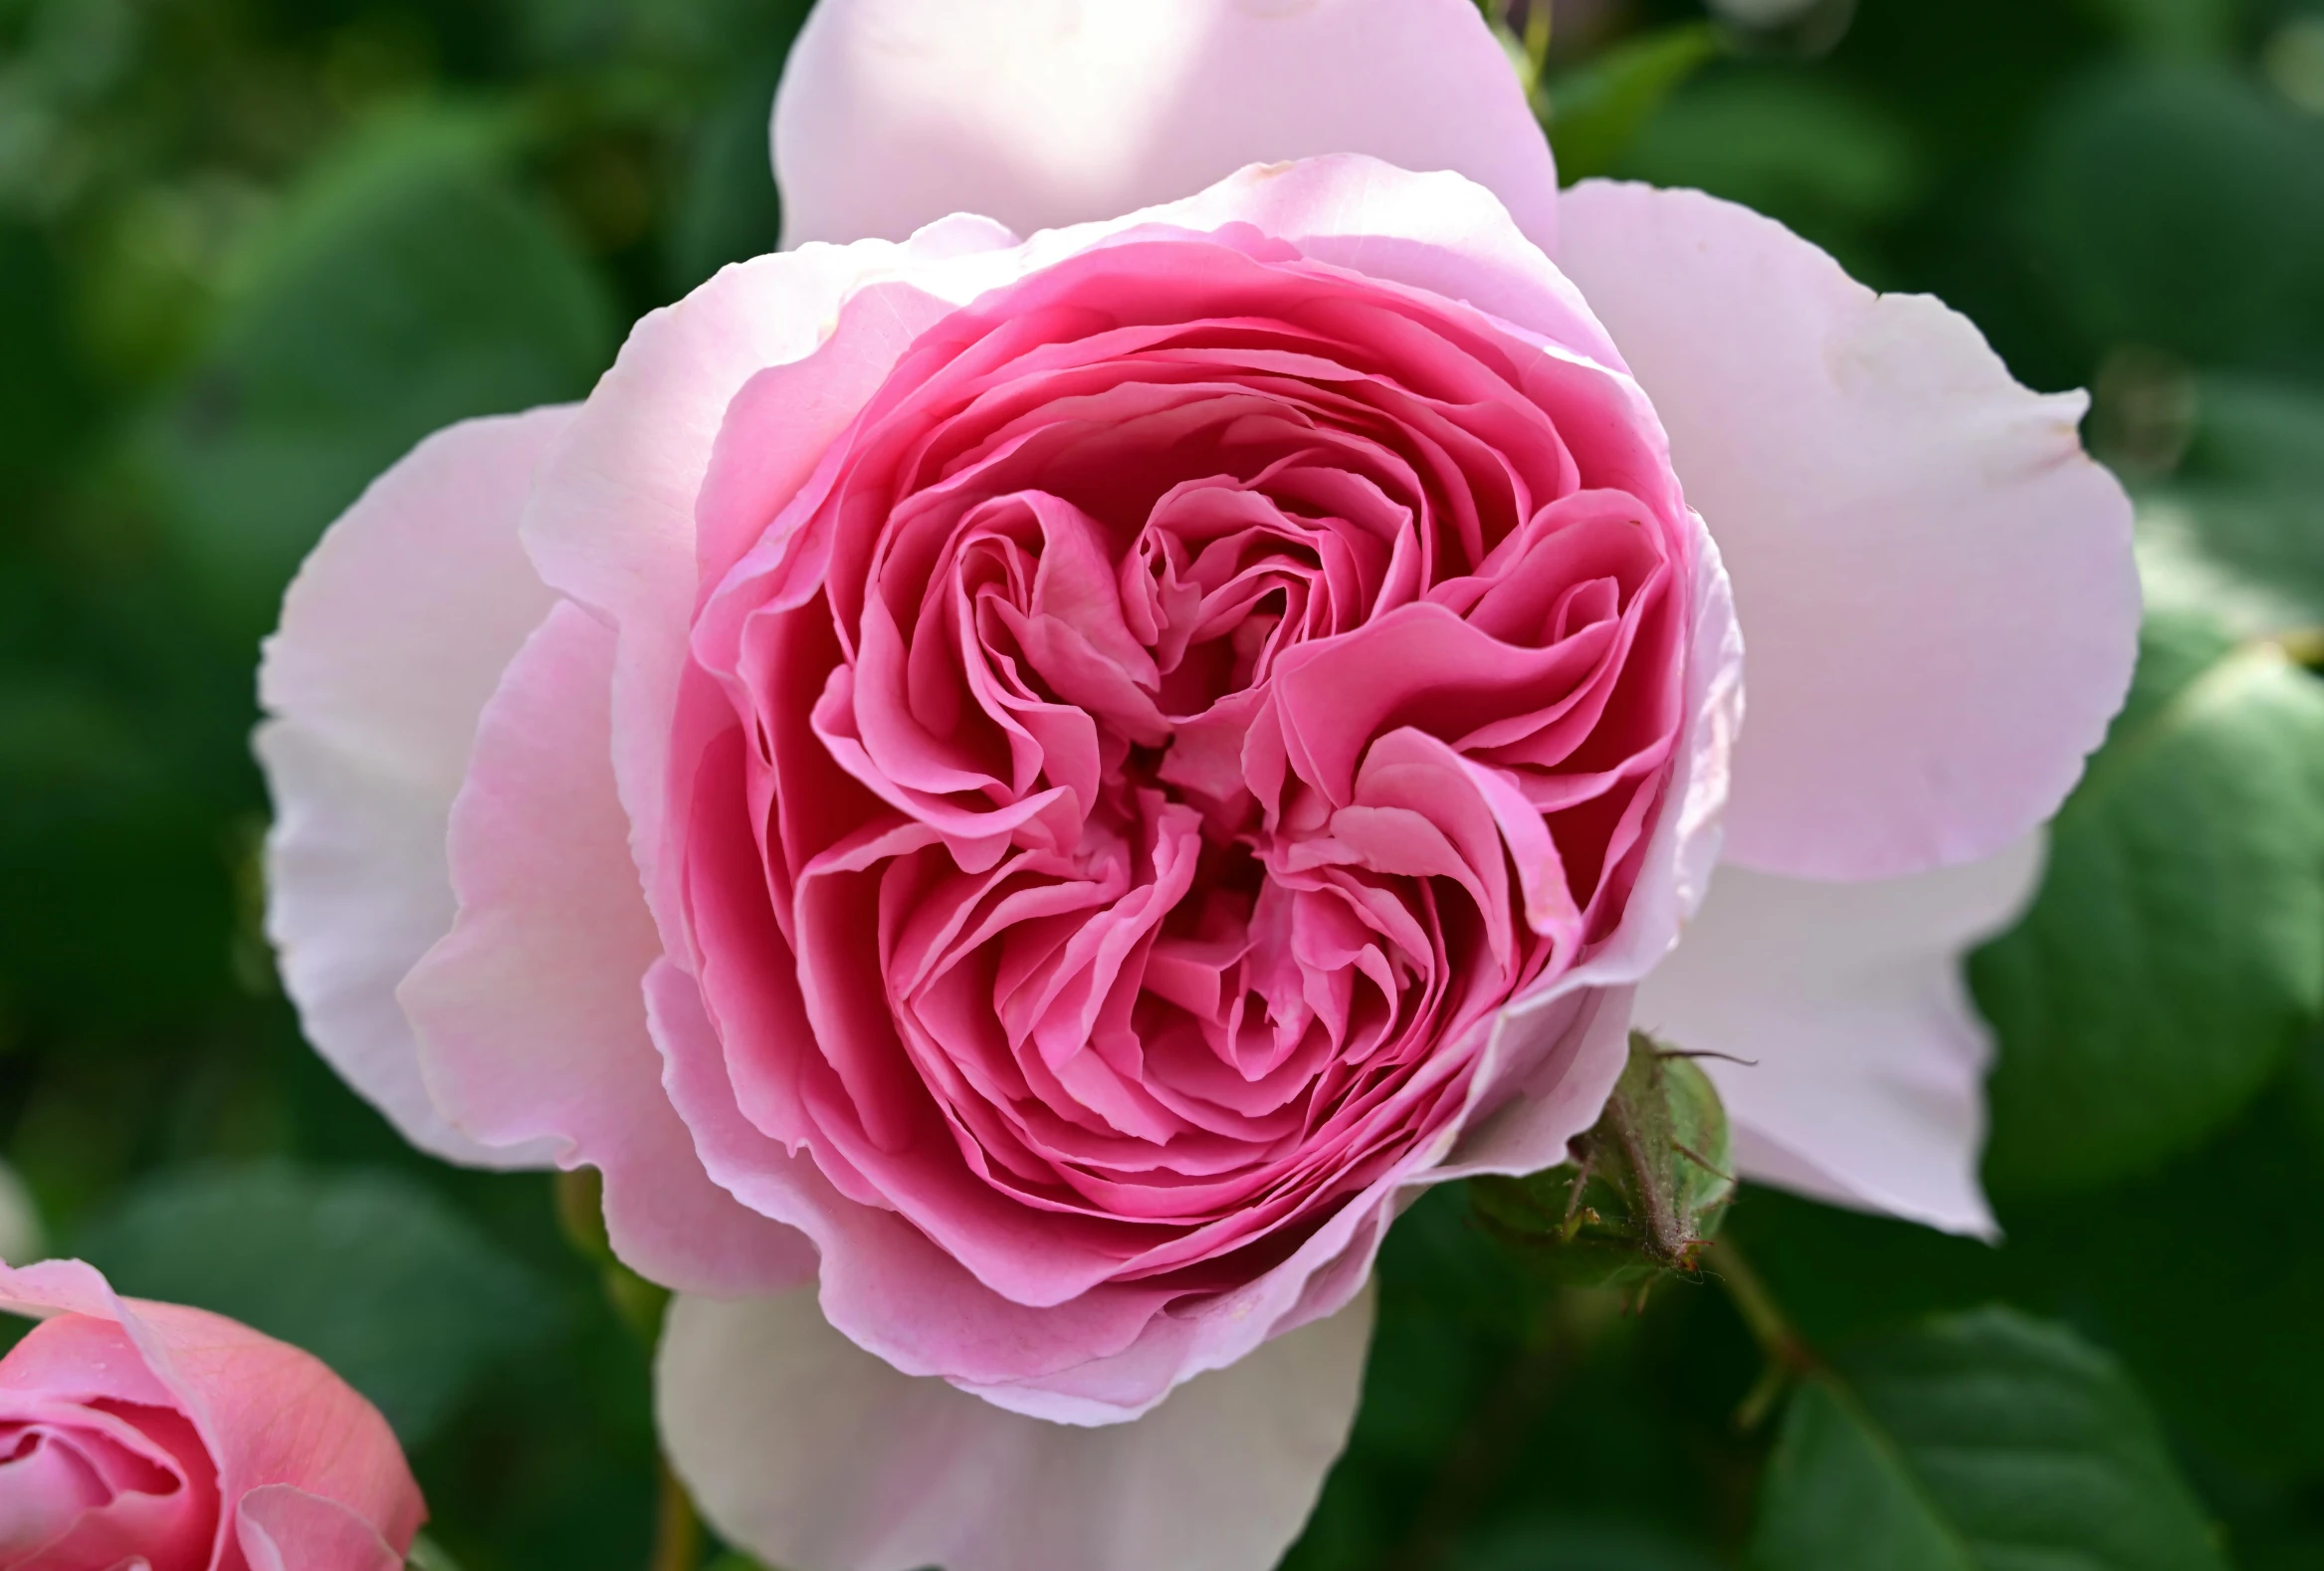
pixel 393 635
pixel 1041 112
pixel 266 1412
pixel 531 1013
pixel 1934 581
pixel 817 1456
pixel 611 523
pixel 282 1528
pixel 1433 231
pixel 1866 1058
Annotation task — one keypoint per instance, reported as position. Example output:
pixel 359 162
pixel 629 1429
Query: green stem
pixel 678 1541
pixel 1788 1354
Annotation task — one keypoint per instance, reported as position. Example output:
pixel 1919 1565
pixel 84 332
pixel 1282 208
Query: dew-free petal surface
pixel 817 1456
pixel 1934 581
pixel 395 633
pixel 1865 1083
pixel 532 1014
pixel 1042 112
pixel 266 1413
pixel 282 1528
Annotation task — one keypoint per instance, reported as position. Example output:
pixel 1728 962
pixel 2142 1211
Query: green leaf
pixel 726 208
pixel 2181 207
pixel 1828 160
pixel 372 1273
pixel 2176 950
pixel 1984 1441
pixel 1841 1273
pixel 1595 110
pixel 406 286
pixel 2201 28
pixel 2238 529
pixel 2223 1337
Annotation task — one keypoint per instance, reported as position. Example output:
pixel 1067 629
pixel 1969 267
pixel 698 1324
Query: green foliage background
pixel 251 250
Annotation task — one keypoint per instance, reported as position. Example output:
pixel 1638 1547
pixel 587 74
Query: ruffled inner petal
pixel 1198 693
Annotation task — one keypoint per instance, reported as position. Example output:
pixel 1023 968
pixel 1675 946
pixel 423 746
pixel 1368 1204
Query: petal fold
pixel 531 1013
pixel 395 633
pixel 817 1456
pixel 1863 1071
pixel 1934 581
pixel 282 1528
pixel 1042 112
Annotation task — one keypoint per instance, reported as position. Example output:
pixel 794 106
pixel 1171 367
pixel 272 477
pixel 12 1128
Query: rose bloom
pixel 1046 786
pixel 145 1434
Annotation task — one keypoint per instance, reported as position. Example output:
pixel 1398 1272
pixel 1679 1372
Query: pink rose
pixel 1047 786
pixel 151 1435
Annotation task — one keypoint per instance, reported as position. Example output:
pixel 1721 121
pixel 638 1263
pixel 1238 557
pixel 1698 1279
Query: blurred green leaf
pixel 1827 160
pixel 372 1273
pixel 1841 1274
pixel 42 393
pixel 1596 110
pixel 1983 1442
pixel 2176 950
pixel 2225 1334
pixel 2238 529
pixel 406 286
pixel 2203 28
pixel 726 208
pixel 88 809
pixel 1582 1546
pixel 2182 208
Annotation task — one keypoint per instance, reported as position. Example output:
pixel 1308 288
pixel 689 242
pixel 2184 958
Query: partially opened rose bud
pixel 152 1434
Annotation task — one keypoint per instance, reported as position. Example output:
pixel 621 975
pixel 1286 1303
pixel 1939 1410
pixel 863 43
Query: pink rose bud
pixel 152 1434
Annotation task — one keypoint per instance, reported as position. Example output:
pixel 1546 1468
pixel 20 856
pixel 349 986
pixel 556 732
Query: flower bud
pixel 1645 1187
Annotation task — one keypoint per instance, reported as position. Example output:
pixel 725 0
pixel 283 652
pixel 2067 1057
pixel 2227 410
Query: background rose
pixel 152 1433
pixel 859 651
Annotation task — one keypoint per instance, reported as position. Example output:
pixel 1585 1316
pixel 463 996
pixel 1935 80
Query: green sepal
pixel 1644 1189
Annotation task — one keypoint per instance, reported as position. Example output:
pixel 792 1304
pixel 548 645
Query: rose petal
pixel 1934 581
pixel 282 1528
pixel 266 1412
pixel 1042 112
pixel 641 453
pixel 393 635
pixel 1866 1060
pixel 612 522
pixel 531 1013
pixel 816 1455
